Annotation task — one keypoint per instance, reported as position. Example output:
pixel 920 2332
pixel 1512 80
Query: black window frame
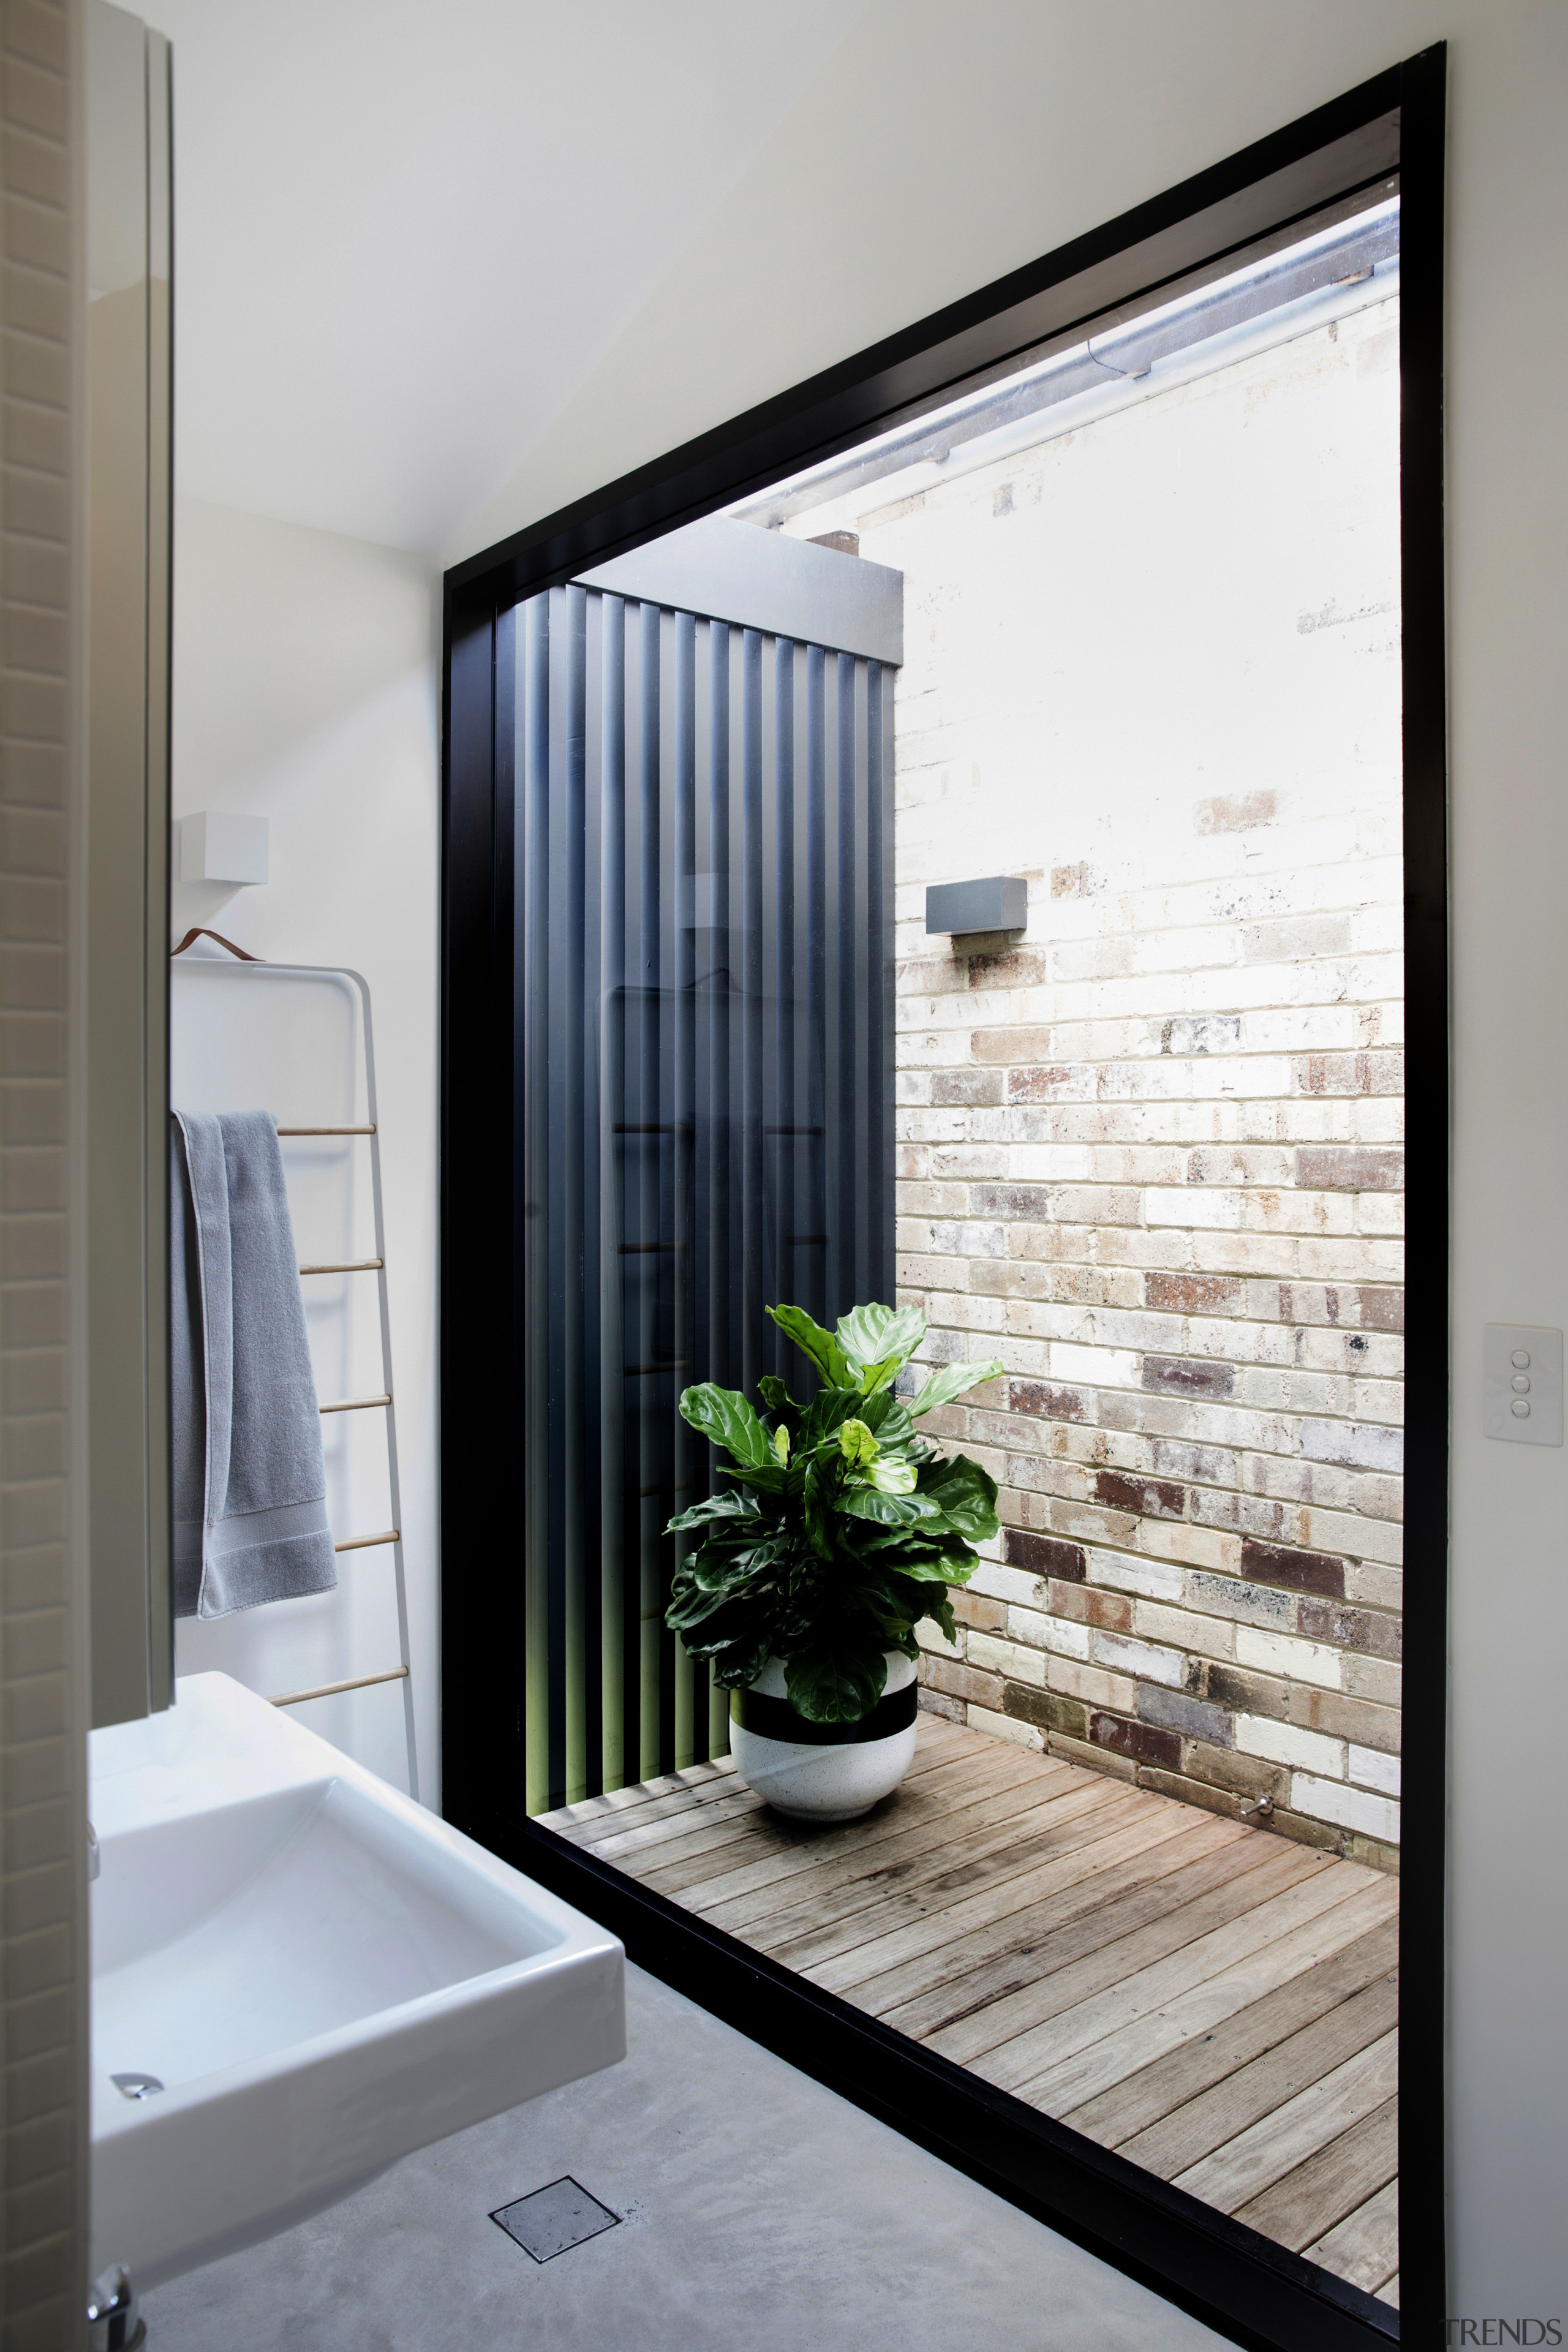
pixel 1243 2285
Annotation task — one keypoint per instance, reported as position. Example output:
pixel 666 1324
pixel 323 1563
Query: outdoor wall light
pixel 1000 903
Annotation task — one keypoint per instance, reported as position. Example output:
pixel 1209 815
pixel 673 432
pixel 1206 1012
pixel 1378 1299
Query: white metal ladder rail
pixel 377 1264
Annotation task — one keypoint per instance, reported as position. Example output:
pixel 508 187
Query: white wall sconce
pixel 218 846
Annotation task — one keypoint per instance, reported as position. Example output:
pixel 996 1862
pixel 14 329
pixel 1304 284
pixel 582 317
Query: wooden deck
pixel 1216 2002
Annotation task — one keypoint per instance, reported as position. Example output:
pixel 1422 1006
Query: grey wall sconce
pixel 1000 903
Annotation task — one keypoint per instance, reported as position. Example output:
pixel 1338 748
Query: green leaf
pixel 941 1560
pixel 943 1611
pixel 744 1628
pixel 821 1346
pixel 769 1479
pixel 879 1339
pixel 719 1507
pixel 857 1444
pixel 828 1408
pixel 949 1568
pixel 840 1678
pixel 964 1493
pixel 897 1510
pixel 690 1604
pixel 720 1577
pixel 724 1416
pixel 883 1412
pixel 895 1600
pixel 952 1381
pixel 739 1662
pixel 891 1477
pixel 777 1399
pixel 720 1567
pixel 814 1506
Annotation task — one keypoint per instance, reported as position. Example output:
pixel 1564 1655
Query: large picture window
pixel 1115 587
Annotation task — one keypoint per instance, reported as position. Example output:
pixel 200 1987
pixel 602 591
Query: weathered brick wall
pixel 1149 1150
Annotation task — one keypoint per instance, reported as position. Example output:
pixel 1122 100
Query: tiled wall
pixel 1151 1151
pixel 42 1991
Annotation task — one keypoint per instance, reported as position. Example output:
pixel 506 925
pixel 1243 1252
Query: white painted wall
pixel 305 669
pixel 396 259
pixel 941 146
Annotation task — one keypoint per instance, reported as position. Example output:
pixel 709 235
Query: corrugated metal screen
pixel 703 1018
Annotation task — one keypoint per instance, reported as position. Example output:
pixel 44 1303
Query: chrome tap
pixel 113 2322
pixel 94 1858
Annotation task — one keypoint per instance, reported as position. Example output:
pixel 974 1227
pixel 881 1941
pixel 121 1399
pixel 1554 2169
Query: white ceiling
pixel 404 234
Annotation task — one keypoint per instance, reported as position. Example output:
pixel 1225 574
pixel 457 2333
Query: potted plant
pixel 844 1528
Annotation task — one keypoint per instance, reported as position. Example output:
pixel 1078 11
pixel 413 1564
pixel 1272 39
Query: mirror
pixel 128 524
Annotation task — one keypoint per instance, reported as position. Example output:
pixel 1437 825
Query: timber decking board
pixel 744 1889
pixel 1217 2002
pixel 1330 2184
pixel 1007 1917
pixel 840 1915
pixel 1206 2122
pixel 1077 2077
pixel 931 1878
pixel 1018 2030
pixel 1364 2246
pixel 1047 2044
pixel 1167 2083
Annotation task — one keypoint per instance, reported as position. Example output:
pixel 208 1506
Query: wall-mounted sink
pixel 299 1975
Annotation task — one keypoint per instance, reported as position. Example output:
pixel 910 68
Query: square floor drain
pixel 552 2221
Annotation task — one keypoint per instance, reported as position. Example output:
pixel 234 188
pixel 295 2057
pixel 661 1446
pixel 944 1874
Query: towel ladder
pixel 331 1690
pixel 393 1536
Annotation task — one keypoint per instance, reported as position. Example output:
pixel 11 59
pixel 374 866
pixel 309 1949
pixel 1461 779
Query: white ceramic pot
pixel 828 1771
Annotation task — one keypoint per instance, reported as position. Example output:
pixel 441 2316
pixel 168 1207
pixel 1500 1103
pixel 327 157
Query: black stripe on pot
pixel 775 1719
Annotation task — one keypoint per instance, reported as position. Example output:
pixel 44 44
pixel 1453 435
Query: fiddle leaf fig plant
pixel 845 1526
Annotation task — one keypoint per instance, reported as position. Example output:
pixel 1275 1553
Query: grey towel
pixel 250 1511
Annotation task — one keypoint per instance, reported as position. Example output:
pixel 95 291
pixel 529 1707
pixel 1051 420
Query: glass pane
pixel 1140 1869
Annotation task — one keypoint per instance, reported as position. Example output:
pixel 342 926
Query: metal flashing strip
pixel 1134 355
pixel 725 570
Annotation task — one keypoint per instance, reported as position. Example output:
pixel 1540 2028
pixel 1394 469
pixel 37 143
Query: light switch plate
pixel 1522 1365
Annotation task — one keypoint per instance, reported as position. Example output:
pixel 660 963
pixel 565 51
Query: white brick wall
pixel 1150 1149
pixel 42 1745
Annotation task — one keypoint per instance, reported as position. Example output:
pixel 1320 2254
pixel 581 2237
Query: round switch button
pixel 1519 1384
pixel 1520 1359
pixel 1520 1409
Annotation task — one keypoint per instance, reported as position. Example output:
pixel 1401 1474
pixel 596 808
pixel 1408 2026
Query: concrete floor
pixel 758 2209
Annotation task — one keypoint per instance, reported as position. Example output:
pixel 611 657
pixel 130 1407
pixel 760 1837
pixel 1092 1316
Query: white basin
pixel 322 1977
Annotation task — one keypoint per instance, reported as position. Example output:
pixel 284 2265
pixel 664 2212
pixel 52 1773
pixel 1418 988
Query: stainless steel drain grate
pixel 550 2221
